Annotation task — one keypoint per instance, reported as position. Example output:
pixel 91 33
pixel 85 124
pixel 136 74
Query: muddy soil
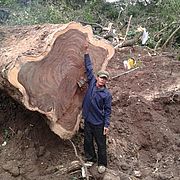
pixel 144 139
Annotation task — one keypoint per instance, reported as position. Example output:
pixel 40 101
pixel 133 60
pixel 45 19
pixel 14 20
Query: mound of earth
pixel 144 139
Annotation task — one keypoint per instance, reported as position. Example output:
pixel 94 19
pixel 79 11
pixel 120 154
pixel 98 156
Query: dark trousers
pixel 92 132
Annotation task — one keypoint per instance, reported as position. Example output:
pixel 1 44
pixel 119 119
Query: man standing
pixel 96 114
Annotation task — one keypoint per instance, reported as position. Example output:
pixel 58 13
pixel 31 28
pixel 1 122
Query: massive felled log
pixel 41 65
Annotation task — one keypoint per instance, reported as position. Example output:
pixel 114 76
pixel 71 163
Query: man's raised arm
pixel 88 64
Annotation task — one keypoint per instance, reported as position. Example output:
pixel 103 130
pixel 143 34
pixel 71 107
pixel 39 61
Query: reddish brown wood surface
pixel 44 64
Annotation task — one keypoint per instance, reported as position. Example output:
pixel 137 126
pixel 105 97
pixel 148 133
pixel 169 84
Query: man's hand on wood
pixel 86 47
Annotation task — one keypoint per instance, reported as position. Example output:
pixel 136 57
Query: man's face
pixel 101 81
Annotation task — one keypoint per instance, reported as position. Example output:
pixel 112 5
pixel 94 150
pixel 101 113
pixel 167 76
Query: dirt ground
pixel 144 139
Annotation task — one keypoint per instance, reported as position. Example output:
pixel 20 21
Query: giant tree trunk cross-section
pixel 44 63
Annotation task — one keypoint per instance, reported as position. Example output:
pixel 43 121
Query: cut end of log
pixel 48 81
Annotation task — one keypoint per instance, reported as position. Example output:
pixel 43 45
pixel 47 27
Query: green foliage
pixel 7 2
pixel 151 42
pixel 154 16
pixel 179 58
pixel 109 11
pixel 135 10
pixel 92 10
pixel 75 4
pixel 54 11
pixel 169 10
pixel 6 135
pixel 36 13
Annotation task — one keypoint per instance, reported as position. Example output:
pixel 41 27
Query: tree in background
pixel 152 14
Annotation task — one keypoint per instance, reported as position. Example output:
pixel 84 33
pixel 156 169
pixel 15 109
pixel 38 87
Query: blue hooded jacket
pixel 97 101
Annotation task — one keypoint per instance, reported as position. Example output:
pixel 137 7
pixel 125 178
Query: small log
pixel 40 66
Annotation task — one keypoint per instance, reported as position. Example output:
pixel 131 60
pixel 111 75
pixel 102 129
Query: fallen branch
pixel 127 30
pixel 96 25
pixel 167 41
pixel 73 167
pixel 165 28
pixel 153 52
pixel 157 44
pixel 12 130
pixel 92 24
pixel 124 73
pixel 75 172
pixel 80 159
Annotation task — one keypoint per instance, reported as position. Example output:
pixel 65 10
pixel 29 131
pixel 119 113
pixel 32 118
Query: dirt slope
pixel 144 141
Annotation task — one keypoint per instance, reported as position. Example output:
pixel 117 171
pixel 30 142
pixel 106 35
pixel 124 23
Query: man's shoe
pixel 101 169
